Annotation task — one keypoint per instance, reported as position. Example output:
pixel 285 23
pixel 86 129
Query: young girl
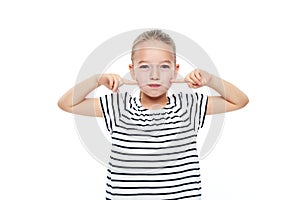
pixel 154 154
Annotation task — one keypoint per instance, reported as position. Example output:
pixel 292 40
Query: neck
pixel 153 102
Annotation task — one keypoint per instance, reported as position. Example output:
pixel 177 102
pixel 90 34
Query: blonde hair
pixel 157 35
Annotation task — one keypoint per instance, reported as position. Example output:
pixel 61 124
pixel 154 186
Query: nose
pixel 154 74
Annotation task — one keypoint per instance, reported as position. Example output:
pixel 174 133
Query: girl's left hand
pixel 197 78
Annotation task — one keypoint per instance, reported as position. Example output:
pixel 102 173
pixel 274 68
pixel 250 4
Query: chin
pixel 154 94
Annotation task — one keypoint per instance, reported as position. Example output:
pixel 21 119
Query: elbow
pixel 244 101
pixel 62 105
pixel 240 102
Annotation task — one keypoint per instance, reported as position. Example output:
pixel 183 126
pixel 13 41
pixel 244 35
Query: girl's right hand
pixel 113 81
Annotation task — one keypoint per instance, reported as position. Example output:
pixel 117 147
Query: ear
pixel 131 69
pixel 176 70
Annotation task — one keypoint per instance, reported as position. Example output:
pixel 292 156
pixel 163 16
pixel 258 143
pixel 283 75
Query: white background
pixel 254 44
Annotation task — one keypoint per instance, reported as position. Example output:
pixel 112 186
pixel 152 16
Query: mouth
pixel 154 85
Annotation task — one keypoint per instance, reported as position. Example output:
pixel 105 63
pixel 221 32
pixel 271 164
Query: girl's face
pixel 153 67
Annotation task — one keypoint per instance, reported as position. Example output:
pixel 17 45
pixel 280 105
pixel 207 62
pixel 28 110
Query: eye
pixel 144 67
pixel 165 67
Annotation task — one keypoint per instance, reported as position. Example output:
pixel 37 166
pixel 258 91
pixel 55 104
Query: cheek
pixel 165 79
pixel 141 79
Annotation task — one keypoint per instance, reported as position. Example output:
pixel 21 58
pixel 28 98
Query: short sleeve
pixel 108 106
pixel 201 101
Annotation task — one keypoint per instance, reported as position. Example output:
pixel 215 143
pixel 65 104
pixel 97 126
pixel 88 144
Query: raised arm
pixel 231 98
pixel 75 99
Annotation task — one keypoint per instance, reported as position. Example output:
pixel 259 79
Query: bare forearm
pixel 78 93
pixel 228 91
pixel 81 90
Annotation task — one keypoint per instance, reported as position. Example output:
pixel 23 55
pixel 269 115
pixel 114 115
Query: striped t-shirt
pixel 153 153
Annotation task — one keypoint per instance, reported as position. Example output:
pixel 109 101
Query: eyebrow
pixel 164 61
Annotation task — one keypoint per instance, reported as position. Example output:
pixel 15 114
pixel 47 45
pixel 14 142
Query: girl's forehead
pixel 154 44
pixel 153 51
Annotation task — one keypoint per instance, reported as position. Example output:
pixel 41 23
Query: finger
pixel 110 83
pixel 194 78
pixel 177 81
pixel 128 82
pixel 198 75
pixel 190 81
pixel 191 85
pixel 116 83
pixel 195 86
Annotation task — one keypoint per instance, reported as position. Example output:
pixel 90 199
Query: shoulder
pixel 116 98
pixel 189 95
pixel 116 95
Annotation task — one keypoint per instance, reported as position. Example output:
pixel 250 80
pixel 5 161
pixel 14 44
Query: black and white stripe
pixel 153 153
